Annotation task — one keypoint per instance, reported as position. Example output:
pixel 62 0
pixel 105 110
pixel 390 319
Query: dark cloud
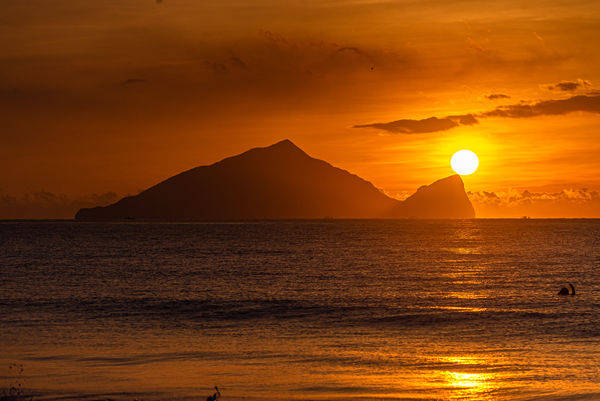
pixel 238 62
pixel 569 86
pixel 276 38
pixel 587 103
pixel 496 96
pixel 431 124
pixel 565 86
pixel 464 119
pixel 351 50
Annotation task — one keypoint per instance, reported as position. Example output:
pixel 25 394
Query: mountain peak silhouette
pixel 444 199
pixel 276 153
pixel 280 182
pixel 284 144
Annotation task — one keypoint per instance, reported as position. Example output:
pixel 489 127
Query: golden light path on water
pixel 475 374
pixel 466 378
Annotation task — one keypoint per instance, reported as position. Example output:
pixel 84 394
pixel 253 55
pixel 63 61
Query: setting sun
pixel 464 162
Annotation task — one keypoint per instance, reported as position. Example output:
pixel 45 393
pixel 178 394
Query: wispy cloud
pixel 497 96
pixel 238 62
pixel 351 50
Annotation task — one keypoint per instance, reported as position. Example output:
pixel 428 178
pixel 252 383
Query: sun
pixel 464 162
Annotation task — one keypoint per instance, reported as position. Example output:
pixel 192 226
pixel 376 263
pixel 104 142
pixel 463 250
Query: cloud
pixel 351 50
pixel 569 86
pixel 224 67
pixel 496 96
pixel 516 203
pixel 472 43
pixel 47 205
pixel 276 38
pixel 539 38
pixel 238 62
pixel 431 124
pixel 464 119
pixel 515 197
pixel 588 103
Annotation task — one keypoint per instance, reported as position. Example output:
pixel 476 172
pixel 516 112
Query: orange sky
pixel 114 96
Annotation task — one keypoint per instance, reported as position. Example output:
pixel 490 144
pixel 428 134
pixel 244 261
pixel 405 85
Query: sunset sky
pixel 103 99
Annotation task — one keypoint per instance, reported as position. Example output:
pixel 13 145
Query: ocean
pixel 301 310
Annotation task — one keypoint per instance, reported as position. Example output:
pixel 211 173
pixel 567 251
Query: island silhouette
pixel 281 182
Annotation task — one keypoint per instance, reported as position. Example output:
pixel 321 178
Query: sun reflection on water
pixel 466 295
pixel 464 380
pixel 475 250
pixel 472 386
pixel 462 308
pixel 467 380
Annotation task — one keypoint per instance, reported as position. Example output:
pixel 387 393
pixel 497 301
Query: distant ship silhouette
pixel 280 182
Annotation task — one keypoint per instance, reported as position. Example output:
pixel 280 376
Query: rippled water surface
pixel 313 310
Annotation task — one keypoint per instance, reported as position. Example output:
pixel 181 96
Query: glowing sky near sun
pixel 115 96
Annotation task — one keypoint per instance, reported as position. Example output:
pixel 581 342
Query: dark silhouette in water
pixel 281 182
pixel 565 290
pixel 215 396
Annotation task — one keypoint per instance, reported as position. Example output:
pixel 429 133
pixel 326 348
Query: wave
pixel 148 311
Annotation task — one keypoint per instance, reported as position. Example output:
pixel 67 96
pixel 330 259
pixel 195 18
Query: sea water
pixel 319 310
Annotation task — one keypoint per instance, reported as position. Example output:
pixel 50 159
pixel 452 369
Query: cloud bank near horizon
pixel 48 205
pixel 575 203
pixel 511 203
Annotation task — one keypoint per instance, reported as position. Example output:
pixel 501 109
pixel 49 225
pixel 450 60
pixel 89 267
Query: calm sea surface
pixel 319 310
